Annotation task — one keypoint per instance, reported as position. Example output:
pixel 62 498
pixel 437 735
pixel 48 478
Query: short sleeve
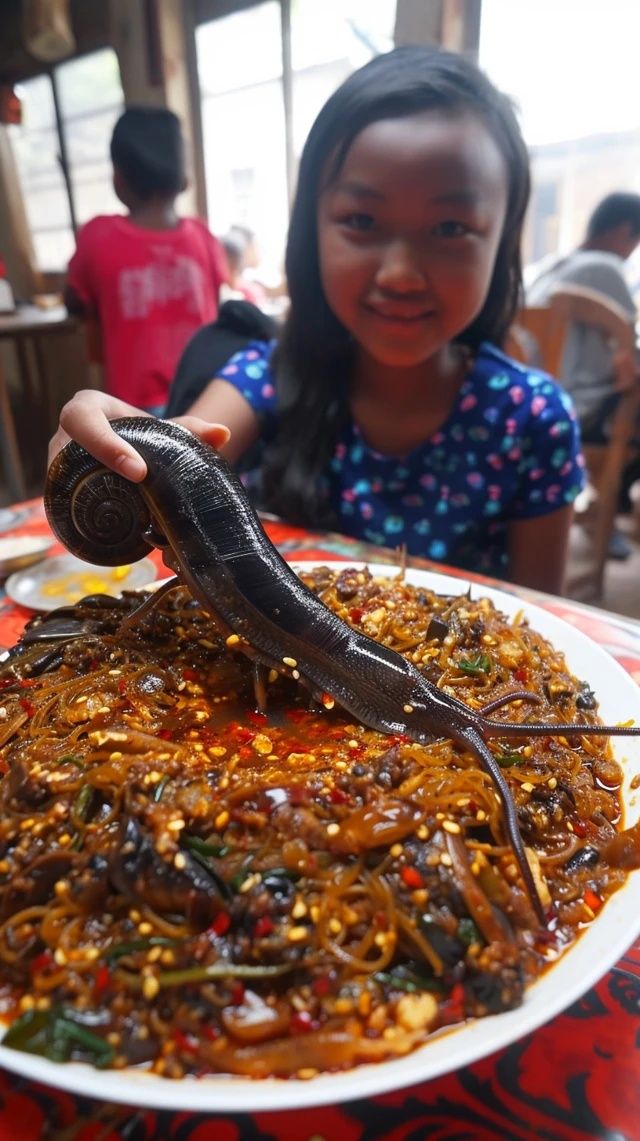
pixel 550 469
pixel 250 372
pixel 80 269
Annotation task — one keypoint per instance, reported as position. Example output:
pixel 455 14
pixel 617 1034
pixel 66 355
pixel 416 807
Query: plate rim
pixel 446 1052
pixel 13 582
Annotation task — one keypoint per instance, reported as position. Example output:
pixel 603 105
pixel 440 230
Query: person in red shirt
pixel 151 279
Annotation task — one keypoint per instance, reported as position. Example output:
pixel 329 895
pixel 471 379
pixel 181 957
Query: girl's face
pixel 408 233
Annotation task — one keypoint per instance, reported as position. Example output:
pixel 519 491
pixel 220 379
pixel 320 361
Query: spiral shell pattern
pixel 96 514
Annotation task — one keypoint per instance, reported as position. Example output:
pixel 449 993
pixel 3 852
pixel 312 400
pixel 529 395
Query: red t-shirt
pixel 151 290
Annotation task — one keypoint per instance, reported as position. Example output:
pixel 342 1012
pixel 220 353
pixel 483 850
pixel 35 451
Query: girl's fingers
pixel 214 434
pixel 86 419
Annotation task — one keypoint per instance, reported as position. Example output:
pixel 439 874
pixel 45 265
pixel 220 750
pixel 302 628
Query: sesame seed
pixel 297 934
pixel 335 926
pixel 145 928
pixel 272 676
pixel 423 832
pixel 175 825
pixel 451 826
pixel 333 829
pixel 445 860
pixel 299 909
pixel 232 640
pixel 408 708
pixel 527 786
pixel 396 850
pixel 290 662
pixel 179 861
pixel 295 674
pixel 221 819
pixel 552 782
pixel 150 986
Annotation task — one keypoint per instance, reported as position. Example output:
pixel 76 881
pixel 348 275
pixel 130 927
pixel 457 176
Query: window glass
pixel 90 101
pixel 240 76
pixel 575 87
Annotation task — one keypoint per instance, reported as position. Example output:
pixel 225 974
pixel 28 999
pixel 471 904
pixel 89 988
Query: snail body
pixel 192 504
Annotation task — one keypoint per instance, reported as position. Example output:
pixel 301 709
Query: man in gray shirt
pixel 613 232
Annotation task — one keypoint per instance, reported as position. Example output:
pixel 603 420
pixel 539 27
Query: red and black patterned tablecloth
pixel 576 1077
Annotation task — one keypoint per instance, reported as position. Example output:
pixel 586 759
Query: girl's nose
pixel 400 269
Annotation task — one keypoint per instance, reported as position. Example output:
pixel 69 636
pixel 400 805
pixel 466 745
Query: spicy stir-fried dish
pixel 193 884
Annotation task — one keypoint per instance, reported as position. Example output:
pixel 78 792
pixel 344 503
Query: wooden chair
pixel 538 337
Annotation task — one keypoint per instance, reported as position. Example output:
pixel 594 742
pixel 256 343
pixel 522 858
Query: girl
pixel 387 410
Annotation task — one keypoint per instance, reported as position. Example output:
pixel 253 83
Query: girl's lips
pixel 400 316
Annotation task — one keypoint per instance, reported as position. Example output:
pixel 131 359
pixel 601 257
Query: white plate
pixel 20 551
pixel 596 950
pixel 63 579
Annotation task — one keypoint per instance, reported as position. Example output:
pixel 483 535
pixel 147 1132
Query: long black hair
pixel 314 358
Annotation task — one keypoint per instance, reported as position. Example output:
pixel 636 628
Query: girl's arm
pixel 221 417
pixel 538 550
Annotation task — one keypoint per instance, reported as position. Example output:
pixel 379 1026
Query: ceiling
pixel 89 20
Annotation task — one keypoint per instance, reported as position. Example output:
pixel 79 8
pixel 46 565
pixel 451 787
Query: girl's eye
pixel 361 223
pixel 451 229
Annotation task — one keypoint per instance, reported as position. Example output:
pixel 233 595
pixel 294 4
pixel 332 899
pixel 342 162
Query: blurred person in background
pixel 612 235
pixel 150 278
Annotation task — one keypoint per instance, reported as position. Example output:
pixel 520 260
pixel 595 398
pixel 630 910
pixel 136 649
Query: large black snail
pixel 193 506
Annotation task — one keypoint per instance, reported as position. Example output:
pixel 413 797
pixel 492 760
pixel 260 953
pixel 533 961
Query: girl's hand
pixel 86 417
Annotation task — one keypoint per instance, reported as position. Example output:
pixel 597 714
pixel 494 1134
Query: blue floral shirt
pixel 509 450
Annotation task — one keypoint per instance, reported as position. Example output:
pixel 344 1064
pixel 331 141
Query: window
pixel 240 71
pixel 571 68
pixel 73 141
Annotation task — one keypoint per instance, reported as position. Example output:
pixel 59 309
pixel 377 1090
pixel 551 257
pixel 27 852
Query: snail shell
pixel 96 514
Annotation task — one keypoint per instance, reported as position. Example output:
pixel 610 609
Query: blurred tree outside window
pixel 90 99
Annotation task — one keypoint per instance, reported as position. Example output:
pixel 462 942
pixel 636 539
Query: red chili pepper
pixel 256 718
pixel 411 877
pixel 27 682
pixel 521 674
pixel 41 962
pixel 102 980
pixel 243 735
pixel 356 614
pixel 321 986
pixel 165 734
pixel 122 686
pixel 221 923
pixel 263 926
pixel 210 1032
pixel 337 796
pixel 301 1022
pixel 580 828
pixel 592 900
pixel 237 994
pixel 191 675
pixel 28 707
pixel 185 1042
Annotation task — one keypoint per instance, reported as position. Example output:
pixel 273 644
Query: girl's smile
pixel 408 233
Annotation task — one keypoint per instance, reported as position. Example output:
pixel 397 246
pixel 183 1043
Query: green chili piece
pixel 468 932
pixel 408 981
pixel 57 1037
pixel 223 970
pixel 195 844
pixel 71 759
pixel 160 787
pixel 507 760
pixel 481 664
pixel 120 949
pixel 82 803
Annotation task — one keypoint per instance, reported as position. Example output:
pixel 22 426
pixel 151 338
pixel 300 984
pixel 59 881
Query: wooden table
pixel 26 328
pixel 576 1078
